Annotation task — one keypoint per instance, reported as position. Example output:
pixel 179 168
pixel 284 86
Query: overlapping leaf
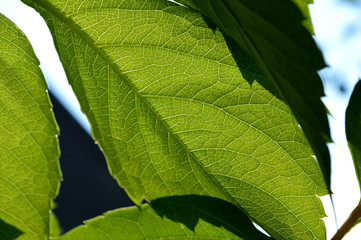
pixel 272 32
pixel 353 128
pixel 185 217
pixel 9 232
pixel 176 112
pixel 353 134
pixel 29 172
pixel 303 6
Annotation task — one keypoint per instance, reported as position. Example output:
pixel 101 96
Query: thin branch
pixel 350 222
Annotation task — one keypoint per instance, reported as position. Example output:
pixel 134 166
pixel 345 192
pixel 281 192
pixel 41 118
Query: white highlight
pixel 33 25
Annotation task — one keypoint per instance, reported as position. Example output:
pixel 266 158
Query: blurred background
pixel 88 190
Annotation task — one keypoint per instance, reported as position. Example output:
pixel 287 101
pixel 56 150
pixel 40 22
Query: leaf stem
pixel 350 222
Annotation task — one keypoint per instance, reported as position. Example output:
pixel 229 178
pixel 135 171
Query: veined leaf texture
pixel 29 151
pixel 179 109
pixel 276 34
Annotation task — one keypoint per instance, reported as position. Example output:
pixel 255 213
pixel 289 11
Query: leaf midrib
pixel 99 45
pixel 179 52
pixel 236 118
pixel 72 25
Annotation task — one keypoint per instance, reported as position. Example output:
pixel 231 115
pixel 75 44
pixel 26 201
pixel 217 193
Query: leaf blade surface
pixel 185 217
pixel 177 113
pixel 273 33
pixel 29 148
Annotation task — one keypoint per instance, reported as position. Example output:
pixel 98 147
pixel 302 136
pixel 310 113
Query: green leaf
pixel 181 217
pixel 353 128
pixel 55 228
pixel 303 6
pixel 176 112
pixel 272 32
pixel 29 151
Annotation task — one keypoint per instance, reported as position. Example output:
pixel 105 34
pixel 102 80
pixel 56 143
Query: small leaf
pixel 181 217
pixel 353 128
pixel 29 171
pixel 272 32
pixel 177 110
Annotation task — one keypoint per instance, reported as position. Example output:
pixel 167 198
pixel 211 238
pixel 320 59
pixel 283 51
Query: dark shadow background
pixel 87 189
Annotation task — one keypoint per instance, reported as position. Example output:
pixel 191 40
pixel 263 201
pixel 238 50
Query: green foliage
pixel 186 118
pixel 176 112
pixel 353 131
pixel 353 128
pixel 29 149
pixel 182 217
pixel 272 32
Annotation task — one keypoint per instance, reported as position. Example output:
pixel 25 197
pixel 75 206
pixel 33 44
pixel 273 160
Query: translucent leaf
pixel 303 6
pixel 178 110
pixel 183 217
pixel 29 171
pixel 272 32
pixel 55 228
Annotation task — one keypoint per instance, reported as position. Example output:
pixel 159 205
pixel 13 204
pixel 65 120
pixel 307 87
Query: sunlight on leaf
pixel 303 6
pixel 272 32
pixel 178 110
pixel 183 217
pixel 29 151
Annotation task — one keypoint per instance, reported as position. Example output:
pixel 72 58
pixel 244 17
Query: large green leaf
pixel 29 171
pixel 176 112
pixel 272 32
pixel 185 217
pixel 353 128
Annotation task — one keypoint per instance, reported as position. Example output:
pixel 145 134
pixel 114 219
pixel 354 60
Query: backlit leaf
pixel 29 171
pixel 177 110
pixel 273 33
pixel 183 217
